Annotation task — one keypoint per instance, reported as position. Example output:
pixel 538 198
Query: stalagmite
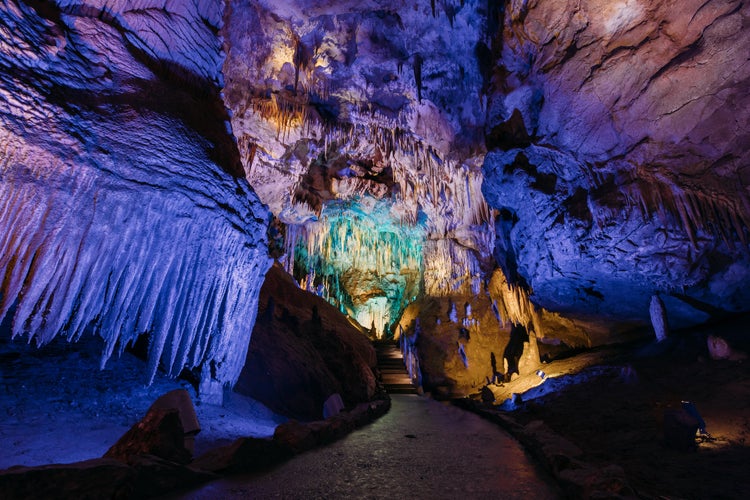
pixel 659 318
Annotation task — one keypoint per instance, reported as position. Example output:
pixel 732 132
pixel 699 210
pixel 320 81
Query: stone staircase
pixel 395 378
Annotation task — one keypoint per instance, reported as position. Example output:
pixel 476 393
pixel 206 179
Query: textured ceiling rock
pixel 122 202
pixel 620 156
pixel 377 107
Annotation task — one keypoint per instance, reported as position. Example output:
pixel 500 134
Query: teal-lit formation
pixel 361 258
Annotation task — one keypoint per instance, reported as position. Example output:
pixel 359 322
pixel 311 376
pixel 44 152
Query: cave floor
pixel 420 449
pixel 613 411
pixel 46 393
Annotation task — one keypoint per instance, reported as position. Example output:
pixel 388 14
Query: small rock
pixel 179 399
pixel 333 405
pixel 718 349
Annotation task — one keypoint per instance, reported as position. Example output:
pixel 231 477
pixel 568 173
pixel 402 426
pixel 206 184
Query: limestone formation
pixel 360 125
pixel 303 351
pixel 123 206
pixel 619 157
pixel 617 171
pixel 659 318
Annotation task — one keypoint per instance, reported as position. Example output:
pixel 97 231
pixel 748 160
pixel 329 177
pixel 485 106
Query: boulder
pixel 159 433
pixel 179 399
pixel 302 351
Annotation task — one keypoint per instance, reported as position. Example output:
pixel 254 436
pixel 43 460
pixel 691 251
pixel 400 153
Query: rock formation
pixel 122 201
pixel 360 125
pixel 303 351
pixel 470 167
pixel 619 157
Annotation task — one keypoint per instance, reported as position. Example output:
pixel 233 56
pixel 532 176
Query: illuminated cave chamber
pixel 363 131
pixel 405 153
pixel 374 178
pixel 608 190
pixel 360 259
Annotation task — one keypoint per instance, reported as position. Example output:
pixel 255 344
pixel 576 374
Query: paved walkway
pixel 420 449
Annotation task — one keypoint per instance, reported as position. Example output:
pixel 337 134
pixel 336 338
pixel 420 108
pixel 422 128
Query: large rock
pixel 303 350
pixel 620 158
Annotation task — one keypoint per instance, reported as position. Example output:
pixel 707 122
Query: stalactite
pixel 695 212
pixel 348 238
pixel 417 67
pixel 65 272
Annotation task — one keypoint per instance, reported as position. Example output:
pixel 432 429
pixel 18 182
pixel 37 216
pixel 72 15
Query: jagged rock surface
pixel 619 157
pixel 123 205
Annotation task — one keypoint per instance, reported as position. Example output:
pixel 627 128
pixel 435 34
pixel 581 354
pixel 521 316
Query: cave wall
pixel 617 168
pixel 123 205
pixel 618 158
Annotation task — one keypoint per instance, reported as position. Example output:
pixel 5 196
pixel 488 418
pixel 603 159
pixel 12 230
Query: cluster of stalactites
pixel 451 269
pixel 71 264
pixel 695 210
pixel 699 212
pixel 319 252
pixel 511 303
pixel 444 194
pixel 354 241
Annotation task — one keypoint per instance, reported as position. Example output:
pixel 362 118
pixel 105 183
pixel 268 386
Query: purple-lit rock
pixel 378 105
pixel 123 205
pixel 620 157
